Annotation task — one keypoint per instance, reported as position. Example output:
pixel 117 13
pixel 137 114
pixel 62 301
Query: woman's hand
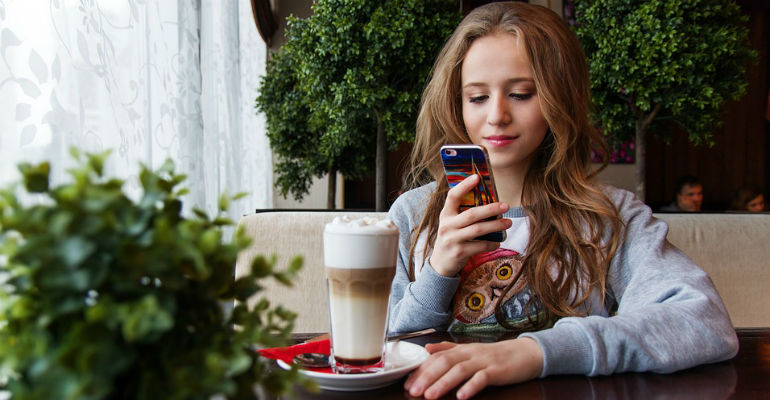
pixel 476 364
pixel 456 230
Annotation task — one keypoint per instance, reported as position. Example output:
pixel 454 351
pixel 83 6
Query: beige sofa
pixel 733 248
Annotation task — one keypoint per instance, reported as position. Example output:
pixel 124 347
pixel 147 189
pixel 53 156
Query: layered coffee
pixel 360 258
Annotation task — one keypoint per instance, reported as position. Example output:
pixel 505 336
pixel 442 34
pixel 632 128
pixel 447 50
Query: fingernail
pixel 416 390
pixel 504 206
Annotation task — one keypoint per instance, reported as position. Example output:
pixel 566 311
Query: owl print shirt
pixel 471 299
pixel 668 315
pixel 490 281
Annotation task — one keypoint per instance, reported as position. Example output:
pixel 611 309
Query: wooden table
pixel 747 376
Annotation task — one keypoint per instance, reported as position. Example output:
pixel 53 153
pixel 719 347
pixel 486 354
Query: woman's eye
pixel 477 99
pixel 521 96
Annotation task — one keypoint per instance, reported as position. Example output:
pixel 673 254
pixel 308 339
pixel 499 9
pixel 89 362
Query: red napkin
pixel 286 354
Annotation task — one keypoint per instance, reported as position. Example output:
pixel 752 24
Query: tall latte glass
pixel 360 259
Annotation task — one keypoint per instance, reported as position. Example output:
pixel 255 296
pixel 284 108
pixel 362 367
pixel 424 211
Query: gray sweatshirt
pixel 666 316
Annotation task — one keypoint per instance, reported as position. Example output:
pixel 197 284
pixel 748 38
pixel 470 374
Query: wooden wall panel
pixel 741 153
pixel 740 156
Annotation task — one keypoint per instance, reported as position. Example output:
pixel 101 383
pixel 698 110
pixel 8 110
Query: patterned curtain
pixel 149 79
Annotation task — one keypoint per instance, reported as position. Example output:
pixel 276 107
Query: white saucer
pixel 400 358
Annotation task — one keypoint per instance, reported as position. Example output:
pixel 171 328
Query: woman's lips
pixel 498 141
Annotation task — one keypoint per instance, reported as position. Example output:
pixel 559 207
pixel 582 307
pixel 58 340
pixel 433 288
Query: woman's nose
pixel 499 113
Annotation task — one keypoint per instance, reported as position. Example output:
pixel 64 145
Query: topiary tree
pixel 660 63
pixel 291 138
pixel 347 81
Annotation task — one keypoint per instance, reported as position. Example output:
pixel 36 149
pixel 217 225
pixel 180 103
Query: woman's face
pixel 500 104
pixel 756 204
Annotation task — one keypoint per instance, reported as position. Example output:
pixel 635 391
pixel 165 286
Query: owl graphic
pixel 483 282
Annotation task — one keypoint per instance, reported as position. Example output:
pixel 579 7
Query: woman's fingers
pixel 454 199
pixel 449 255
pixel 430 371
pixel 436 347
pixel 432 348
pixel 457 230
pixel 478 365
pixel 452 218
pixel 475 222
pixel 455 196
pixel 448 367
pixel 455 375
pixel 478 381
pixel 480 213
pixel 477 229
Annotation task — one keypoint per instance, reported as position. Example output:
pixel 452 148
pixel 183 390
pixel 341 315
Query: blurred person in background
pixel 748 198
pixel 689 195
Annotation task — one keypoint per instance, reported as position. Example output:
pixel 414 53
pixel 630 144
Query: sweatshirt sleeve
pixel 669 315
pixel 426 302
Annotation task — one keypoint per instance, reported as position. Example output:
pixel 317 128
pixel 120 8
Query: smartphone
pixel 463 160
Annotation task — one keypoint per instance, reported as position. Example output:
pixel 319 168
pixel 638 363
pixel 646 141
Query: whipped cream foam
pixel 360 243
pixel 361 226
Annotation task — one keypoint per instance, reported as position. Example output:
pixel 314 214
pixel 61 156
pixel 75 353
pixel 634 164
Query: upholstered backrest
pixel 733 248
pixel 288 234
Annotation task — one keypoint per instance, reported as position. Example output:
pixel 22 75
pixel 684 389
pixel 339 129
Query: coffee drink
pixel 360 259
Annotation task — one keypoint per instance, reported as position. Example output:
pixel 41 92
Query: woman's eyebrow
pixel 509 81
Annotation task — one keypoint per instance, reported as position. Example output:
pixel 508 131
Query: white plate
pixel 400 358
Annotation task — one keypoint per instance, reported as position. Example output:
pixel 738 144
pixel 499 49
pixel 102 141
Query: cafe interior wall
pixel 619 175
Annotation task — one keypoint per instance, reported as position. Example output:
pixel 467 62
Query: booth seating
pixel 733 248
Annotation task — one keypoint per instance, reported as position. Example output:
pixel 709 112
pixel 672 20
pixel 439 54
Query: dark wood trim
pixel 346 210
pixel 263 18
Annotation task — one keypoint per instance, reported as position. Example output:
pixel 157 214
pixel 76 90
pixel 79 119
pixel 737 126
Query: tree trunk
pixel 639 144
pixel 332 189
pixel 380 165
pixel 643 123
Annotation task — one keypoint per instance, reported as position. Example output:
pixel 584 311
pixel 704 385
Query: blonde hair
pixel 573 224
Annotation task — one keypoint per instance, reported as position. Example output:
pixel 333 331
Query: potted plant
pixel 655 64
pixel 105 297
pixel 346 87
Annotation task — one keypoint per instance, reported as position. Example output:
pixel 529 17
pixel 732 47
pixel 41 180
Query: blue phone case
pixel 462 161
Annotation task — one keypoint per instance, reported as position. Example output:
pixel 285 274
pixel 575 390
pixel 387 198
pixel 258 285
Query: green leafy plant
pixel 348 81
pixel 108 298
pixel 659 63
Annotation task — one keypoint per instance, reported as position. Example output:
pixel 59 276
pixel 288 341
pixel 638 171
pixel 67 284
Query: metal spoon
pixel 319 360
pixel 312 360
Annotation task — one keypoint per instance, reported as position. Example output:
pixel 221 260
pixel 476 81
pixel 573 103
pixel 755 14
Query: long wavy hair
pixel 574 226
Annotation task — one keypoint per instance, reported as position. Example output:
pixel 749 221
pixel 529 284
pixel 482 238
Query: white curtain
pixel 150 79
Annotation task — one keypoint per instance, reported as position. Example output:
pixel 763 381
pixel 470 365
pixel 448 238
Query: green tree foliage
pixel 106 297
pixel 658 62
pixel 352 69
pixel 295 143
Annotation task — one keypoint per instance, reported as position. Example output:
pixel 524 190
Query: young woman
pixel 585 275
